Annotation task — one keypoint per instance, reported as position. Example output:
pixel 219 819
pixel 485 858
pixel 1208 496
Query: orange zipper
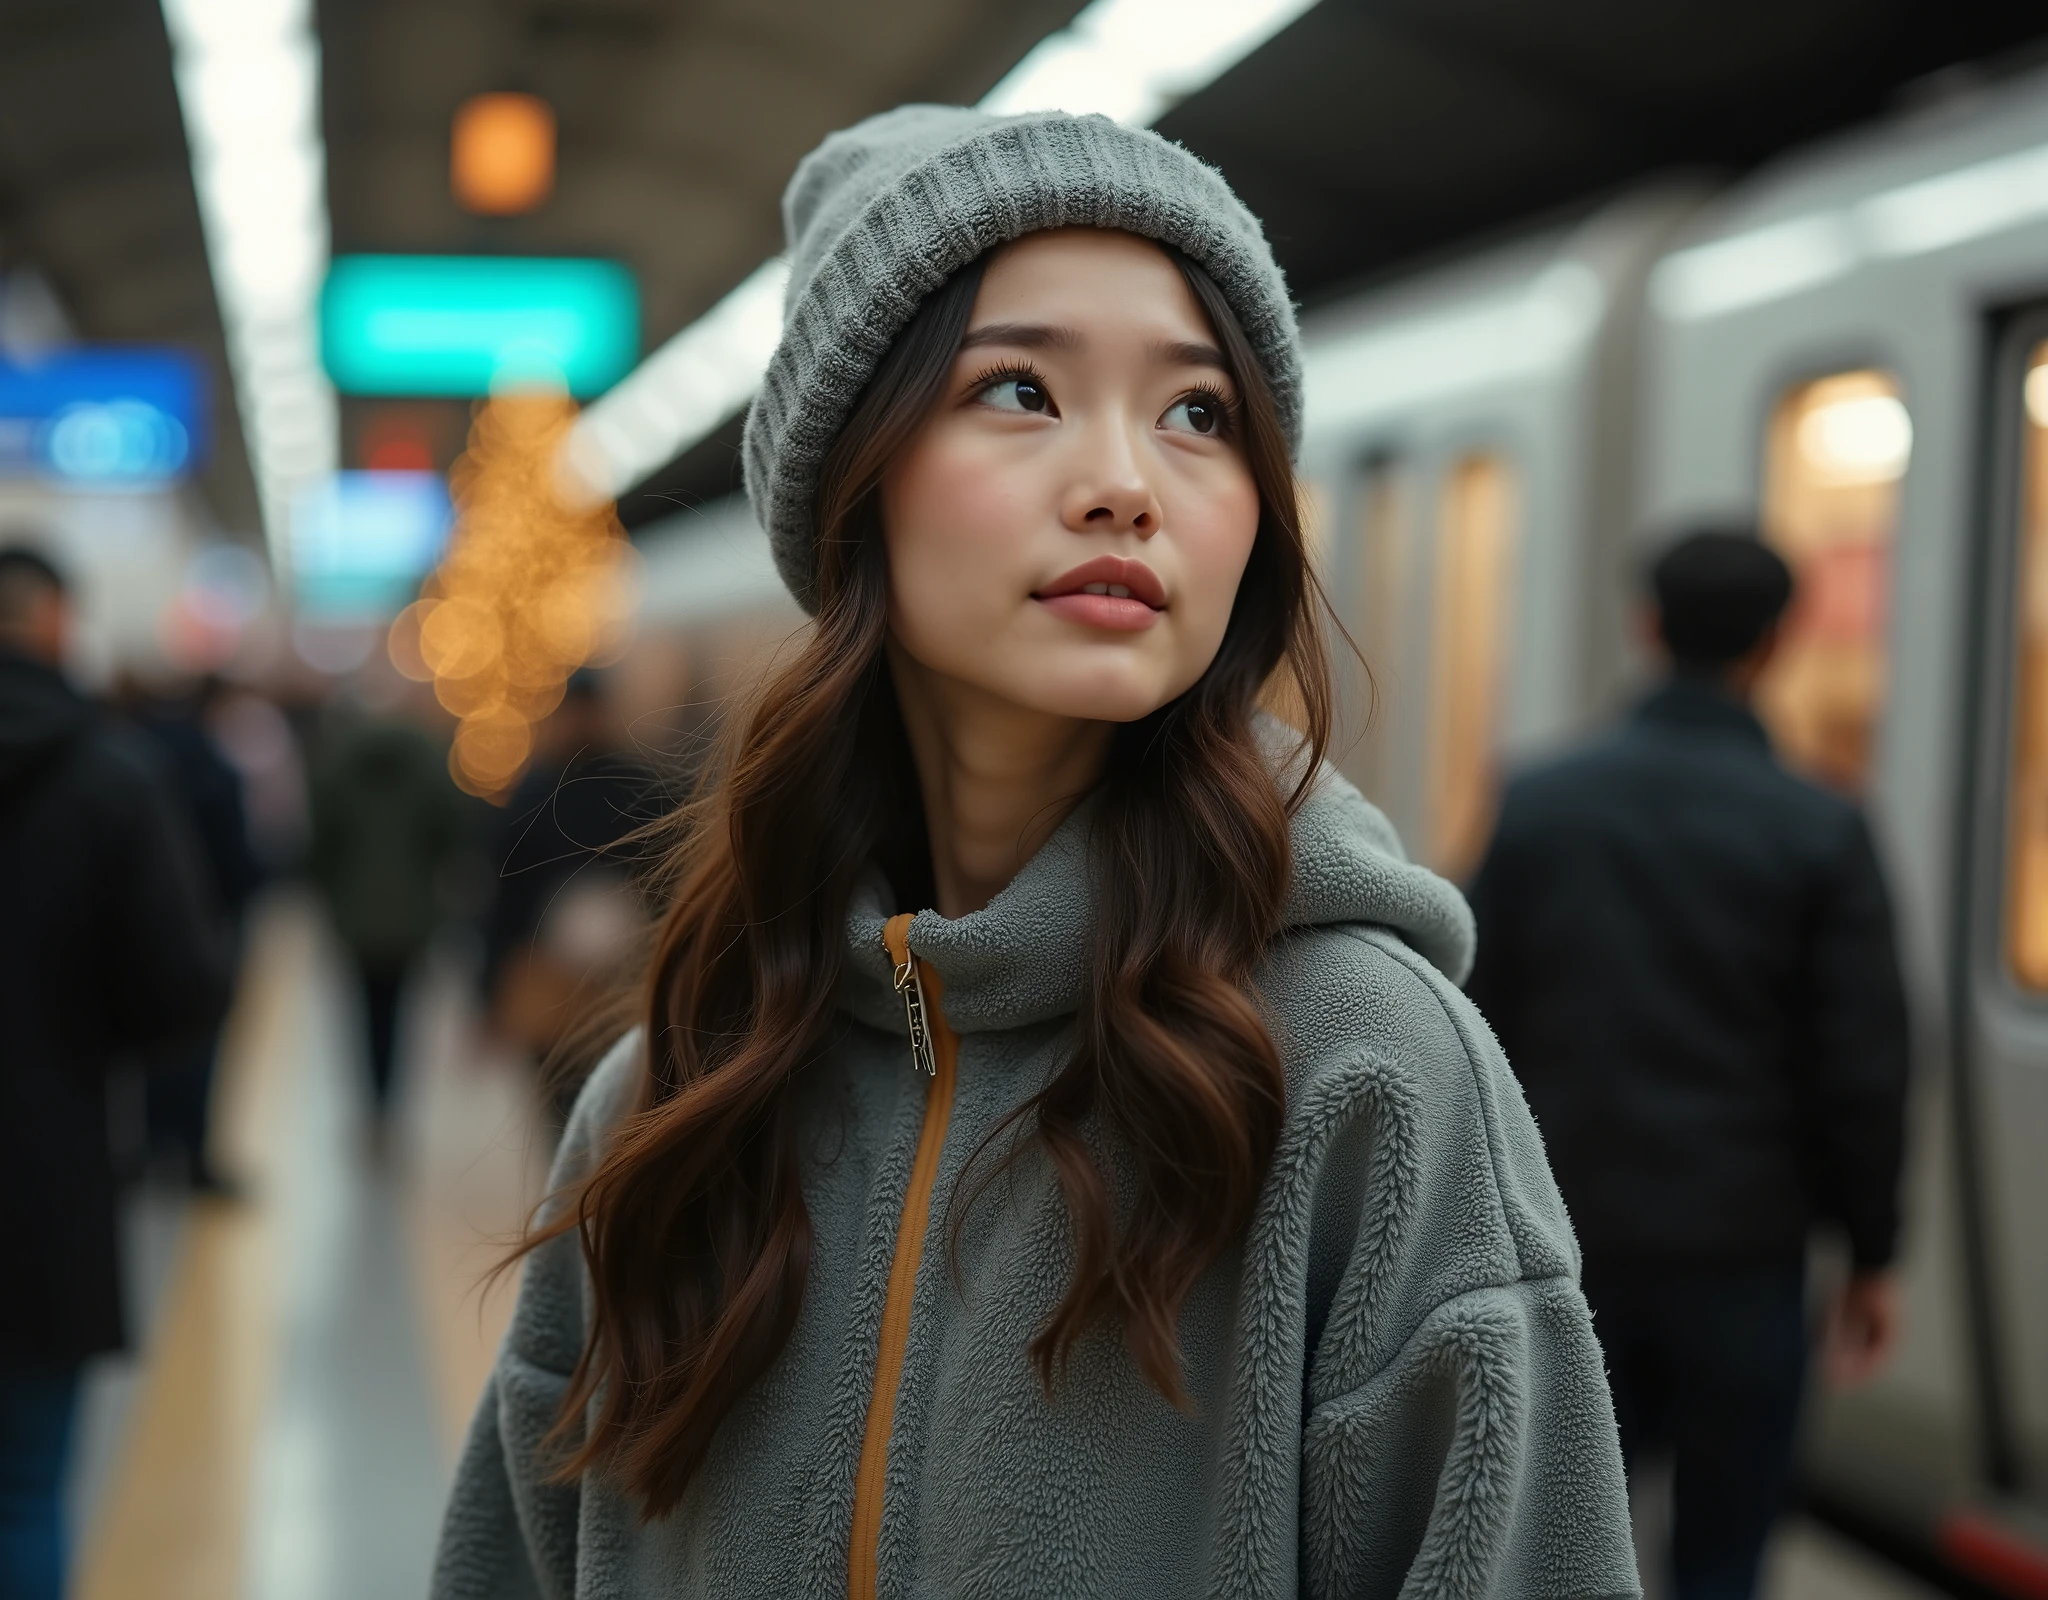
pixel 935 1051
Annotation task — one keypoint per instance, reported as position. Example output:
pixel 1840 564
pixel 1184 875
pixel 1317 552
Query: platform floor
pixel 312 1353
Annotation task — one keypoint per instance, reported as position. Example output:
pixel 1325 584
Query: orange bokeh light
pixel 502 155
pixel 528 591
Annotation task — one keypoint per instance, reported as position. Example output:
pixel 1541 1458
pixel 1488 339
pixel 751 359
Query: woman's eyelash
pixel 1007 372
pixel 1227 407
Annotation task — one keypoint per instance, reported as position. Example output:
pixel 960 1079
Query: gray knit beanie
pixel 882 214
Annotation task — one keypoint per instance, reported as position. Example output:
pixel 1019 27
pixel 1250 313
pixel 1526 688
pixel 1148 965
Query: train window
pixel 1475 560
pixel 2027 799
pixel 1834 456
pixel 1386 559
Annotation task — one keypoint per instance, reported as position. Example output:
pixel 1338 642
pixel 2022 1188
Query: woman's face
pixel 1067 531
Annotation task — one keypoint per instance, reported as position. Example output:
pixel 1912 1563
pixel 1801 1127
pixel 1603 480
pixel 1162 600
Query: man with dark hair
pixel 1687 953
pixel 108 948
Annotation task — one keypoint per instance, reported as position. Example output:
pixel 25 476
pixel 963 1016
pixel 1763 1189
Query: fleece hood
pixel 1023 957
pixel 40 715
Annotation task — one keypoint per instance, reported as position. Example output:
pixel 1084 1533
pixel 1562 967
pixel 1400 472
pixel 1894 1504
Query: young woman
pixel 1057 1159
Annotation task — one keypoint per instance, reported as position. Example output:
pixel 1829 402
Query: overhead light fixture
pixel 1135 59
pixel 1128 59
pixel 501 153
pixel 248 76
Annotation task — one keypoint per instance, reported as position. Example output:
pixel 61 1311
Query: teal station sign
pixel 462 326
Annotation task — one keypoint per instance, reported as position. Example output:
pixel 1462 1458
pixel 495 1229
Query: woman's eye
pixel 1202 414
pixel 1017 394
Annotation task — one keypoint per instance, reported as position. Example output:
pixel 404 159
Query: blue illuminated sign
pixel 463 325
pixel 105 417
pixel 361 541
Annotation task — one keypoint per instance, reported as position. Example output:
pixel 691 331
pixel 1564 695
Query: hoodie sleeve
pixel 509 1533
pixel 1479 1461
pixel 1457 1437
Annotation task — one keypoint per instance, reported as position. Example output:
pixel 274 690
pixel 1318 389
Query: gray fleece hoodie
pixel 1397 1388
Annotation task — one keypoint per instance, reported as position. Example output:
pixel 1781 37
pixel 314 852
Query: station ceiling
pixel 1374 132
pixel 1369 135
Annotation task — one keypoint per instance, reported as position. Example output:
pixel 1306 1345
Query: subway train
pixel 1848 348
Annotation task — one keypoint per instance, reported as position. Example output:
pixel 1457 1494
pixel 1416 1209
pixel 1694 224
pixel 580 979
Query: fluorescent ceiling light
pixel 1127 59
pixel 1910 219
pixel 1134 59
pixel 248 75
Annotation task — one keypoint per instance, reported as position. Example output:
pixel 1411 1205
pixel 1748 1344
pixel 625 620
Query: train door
pixel 2002 1045
pixel 1380 591
pixel 1427 583
pixel 1472 622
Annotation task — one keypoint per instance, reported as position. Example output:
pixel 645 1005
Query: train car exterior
pixel 1844 348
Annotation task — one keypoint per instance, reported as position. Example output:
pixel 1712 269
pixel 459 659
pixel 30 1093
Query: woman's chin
pixel 1091 697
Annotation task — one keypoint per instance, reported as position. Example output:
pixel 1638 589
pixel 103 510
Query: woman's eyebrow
pixel 1190 353
pixel 1029 335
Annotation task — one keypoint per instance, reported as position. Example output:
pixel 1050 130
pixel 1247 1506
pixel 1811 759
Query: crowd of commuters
pixel 112 947
pixel 135 835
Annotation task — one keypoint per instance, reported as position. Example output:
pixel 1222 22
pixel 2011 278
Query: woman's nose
pixel 1110 492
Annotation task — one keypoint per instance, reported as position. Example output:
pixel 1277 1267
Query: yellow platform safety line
pixel 173 1522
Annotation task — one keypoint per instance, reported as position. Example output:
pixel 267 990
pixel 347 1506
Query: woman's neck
pixel 997 778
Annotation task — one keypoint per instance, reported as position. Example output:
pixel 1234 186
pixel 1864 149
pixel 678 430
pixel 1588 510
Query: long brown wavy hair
pixel 692 1223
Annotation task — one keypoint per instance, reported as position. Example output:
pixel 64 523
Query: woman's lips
pixel 1119 614
pixel 1109 592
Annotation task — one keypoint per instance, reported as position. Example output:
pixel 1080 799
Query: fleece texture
pixel 1396 1385
pixel 883 213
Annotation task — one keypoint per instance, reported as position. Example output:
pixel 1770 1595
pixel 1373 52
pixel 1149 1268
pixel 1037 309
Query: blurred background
pixel 372 374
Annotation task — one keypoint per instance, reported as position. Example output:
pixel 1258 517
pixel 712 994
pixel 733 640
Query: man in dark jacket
pixel 107 948
pixel 1687 953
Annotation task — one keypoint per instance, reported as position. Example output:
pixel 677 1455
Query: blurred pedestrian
pixel 1687 953
pixel 387 823
pixel 108 948
pixel 179 1090
pixel 566 910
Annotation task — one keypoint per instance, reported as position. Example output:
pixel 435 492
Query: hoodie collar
pixel 1023 958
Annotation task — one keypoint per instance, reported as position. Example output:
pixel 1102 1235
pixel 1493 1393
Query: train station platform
pixel 310 1353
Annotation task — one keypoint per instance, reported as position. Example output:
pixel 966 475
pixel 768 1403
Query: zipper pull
pixel 910 984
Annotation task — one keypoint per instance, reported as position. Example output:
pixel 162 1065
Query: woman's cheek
pixel 952 545
pixel 1221 525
